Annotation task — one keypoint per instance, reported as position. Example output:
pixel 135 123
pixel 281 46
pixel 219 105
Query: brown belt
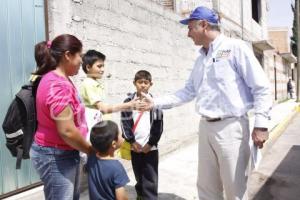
pixel 213 119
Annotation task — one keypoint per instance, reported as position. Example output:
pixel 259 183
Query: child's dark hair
pixel 143 74
pixel 90 57
pixel 103 134
pixel 49 54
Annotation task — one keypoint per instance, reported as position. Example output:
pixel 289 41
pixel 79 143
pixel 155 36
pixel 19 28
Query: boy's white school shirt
pixel 142 131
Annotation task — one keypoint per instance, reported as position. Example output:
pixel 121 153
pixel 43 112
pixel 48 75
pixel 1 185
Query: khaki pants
pixel 223 159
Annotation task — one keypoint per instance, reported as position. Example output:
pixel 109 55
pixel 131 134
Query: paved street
pixel 278 176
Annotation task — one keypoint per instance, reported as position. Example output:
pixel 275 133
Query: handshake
pixel 143 103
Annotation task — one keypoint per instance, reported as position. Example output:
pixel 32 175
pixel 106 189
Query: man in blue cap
pixel 227 81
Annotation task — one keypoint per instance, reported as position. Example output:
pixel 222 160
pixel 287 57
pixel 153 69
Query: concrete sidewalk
pixel 178 169
pixel 278 113
pixel 177 175
pixel 177 178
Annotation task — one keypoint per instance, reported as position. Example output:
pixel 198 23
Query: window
pixel 256 10
pixel 260 58
pixel 166 3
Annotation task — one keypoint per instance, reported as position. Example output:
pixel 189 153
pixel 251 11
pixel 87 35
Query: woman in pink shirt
pixel 61 124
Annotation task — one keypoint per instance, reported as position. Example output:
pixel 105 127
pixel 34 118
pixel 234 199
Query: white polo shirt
pixel 142 131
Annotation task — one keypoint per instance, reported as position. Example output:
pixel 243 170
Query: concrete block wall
pixel 232 13
pixel 134 35
pixel 237 19
pixel 141 34
pixel 183 6
pixel 238 14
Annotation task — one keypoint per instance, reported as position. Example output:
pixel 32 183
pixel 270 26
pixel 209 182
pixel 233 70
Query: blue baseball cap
pixel 202 13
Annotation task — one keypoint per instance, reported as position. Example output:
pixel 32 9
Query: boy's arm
pixel 94 97
pixel 106 108
pixel 120 181
pixel 90 93
pixel 121 194
pixel 156 128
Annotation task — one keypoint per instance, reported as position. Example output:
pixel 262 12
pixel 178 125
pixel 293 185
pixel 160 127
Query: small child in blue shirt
pixel 106 175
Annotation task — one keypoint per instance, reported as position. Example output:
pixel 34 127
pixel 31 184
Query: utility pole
pixel 298 48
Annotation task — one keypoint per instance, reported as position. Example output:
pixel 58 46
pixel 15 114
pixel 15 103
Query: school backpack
pixel 20 122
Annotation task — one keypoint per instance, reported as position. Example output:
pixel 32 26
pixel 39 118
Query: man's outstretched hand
pixel 146 103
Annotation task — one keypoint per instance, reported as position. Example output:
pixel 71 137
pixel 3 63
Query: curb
pixel 279 129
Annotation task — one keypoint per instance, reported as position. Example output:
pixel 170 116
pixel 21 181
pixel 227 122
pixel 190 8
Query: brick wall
pixel 279 37
pixel 237 19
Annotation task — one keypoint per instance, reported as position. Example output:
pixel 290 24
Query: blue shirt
pixel 226 81
pixel 104 177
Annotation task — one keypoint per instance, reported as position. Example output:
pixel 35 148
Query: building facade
pixel 134 35
pixel 281 63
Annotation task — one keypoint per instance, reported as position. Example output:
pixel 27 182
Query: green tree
pixel 294 38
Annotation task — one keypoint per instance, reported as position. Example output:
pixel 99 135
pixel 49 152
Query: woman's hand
pixel 69 132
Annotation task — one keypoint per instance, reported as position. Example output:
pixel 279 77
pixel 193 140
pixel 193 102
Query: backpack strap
pixel 20 122
pixel 137 121
pixel 19 157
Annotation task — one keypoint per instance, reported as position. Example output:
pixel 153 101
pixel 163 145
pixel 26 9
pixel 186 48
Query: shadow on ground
pixel 132 195
pixel 161 196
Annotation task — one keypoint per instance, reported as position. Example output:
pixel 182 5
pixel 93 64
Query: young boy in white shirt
pixel 143 130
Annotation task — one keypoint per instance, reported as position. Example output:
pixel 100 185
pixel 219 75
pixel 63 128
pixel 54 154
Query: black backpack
pixel 20 122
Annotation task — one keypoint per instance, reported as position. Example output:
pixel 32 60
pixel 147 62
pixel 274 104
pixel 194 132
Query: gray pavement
pixel 177 177
pixel 277 178
pixel 278 175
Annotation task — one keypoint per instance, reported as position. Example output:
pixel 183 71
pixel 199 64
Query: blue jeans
pixel 58 170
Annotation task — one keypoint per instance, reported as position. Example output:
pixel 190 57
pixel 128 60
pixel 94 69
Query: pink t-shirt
pixel 53 95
